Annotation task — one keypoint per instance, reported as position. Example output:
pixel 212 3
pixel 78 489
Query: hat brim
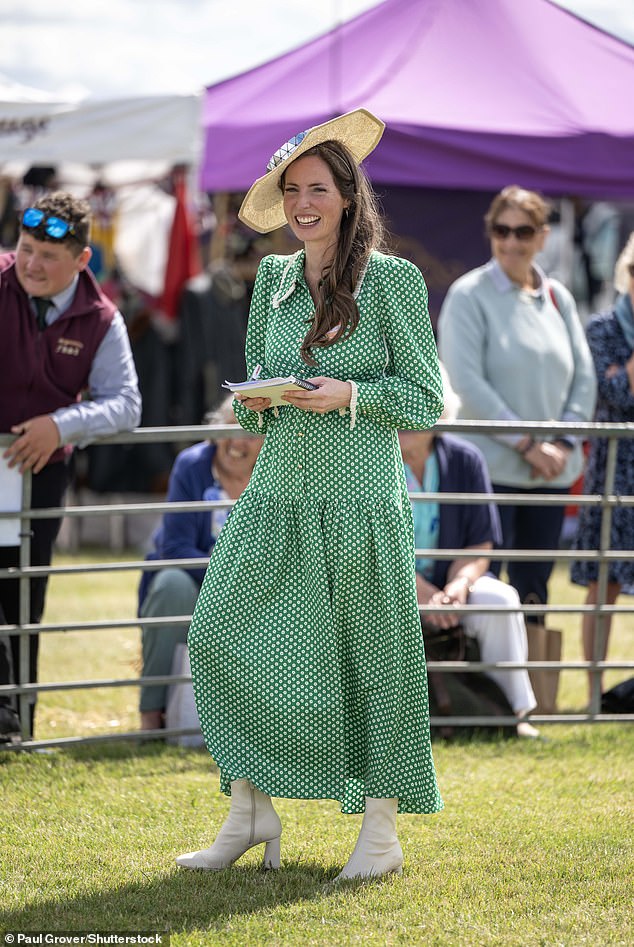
pixel 263 207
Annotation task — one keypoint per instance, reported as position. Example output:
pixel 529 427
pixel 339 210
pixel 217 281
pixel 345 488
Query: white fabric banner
pixel 146 128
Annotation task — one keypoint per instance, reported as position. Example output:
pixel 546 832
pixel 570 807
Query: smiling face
pixel 312 203
pixel 235 457
pixel 45 268
pixel 514 255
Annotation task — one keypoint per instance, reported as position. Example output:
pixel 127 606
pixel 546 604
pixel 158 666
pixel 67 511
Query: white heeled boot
pixel 377 851
pixel 251 821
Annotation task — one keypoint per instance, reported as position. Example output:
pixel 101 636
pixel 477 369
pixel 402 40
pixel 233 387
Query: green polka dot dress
pixel 305 644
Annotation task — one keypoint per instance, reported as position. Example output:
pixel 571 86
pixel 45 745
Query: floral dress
pixel 615 404
pixel 305 644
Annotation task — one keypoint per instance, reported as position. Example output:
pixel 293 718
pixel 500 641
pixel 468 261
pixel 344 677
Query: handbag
pixel 544 644
pixel 619 699
pixel 444 644
pixel 462 693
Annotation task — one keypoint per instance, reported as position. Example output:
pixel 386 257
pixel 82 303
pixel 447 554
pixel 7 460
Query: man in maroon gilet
pixel 60 339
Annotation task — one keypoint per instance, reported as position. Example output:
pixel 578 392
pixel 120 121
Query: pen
pixel 255 374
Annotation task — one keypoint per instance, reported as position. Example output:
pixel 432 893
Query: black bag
pixel 619 699
pixel 462 693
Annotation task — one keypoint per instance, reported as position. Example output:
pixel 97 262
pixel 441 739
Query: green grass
pixel 90 655
pixel 534 846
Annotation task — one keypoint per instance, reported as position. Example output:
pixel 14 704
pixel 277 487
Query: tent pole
pixel 218 243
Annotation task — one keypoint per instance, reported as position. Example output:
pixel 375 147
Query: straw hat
pixel 263 207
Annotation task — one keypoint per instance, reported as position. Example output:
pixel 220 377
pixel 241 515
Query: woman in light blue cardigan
pixel 515 350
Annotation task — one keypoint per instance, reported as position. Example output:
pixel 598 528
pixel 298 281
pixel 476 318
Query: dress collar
pixel 293 274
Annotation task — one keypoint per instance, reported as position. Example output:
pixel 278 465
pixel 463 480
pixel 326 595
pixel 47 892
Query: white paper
pixel 272 388
pixel 10 502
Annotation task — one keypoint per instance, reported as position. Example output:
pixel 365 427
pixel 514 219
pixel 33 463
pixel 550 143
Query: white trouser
pixel 501 638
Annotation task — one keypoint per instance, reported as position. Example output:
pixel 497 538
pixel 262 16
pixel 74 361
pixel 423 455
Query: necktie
pixel 41 305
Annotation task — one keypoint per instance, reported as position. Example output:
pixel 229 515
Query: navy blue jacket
pixel 462 469
pixel 185 535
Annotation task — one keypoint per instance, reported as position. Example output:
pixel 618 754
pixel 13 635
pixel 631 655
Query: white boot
pixel 377 851
pixel 251 821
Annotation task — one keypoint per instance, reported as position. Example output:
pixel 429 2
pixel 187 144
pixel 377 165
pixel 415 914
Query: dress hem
pixel 352 800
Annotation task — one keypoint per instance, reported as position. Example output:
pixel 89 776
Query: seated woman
pixel 440 463
pixel 205 471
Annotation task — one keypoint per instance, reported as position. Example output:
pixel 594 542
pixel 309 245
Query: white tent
pixel 38 129
pixel 125 143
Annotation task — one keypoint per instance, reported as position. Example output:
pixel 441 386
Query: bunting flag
pixel 183 255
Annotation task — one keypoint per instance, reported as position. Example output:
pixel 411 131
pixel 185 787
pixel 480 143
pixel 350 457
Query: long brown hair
pixel 360 232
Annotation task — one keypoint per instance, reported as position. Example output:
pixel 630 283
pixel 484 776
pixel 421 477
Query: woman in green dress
pixel 305 644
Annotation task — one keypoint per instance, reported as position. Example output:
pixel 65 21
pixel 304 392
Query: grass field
pixel 534 846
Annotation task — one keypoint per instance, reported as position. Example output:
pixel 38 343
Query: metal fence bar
pixel 25 608
pixel 602 611
pixel 103 625
pixel 601 620
pixel 465 667
pixel 162 506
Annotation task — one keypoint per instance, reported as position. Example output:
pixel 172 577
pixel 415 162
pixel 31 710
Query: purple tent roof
pixel 475 94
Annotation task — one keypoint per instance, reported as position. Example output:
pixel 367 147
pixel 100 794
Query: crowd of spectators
pixel 514 348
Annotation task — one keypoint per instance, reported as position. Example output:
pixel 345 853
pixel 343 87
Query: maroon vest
pixel 41 371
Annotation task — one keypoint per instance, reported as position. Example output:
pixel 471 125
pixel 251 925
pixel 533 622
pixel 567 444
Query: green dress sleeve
pixel 410 394
pixel 257 421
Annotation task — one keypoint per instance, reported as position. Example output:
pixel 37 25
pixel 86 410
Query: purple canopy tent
pixel 475 94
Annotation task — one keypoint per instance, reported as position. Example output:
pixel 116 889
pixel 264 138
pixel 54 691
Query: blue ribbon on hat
pixel 285 151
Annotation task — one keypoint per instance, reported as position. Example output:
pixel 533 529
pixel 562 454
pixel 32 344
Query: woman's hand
pixel 454 593
pixel 330 395
pixel 614 369
pixel 254 404
pixel 457 589
pixel 547 460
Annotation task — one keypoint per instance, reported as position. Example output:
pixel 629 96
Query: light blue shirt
pixel 426 514
pixel 115 403
pixel 512 355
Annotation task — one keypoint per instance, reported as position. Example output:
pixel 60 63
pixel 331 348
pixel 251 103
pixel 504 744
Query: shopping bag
pixel 544 644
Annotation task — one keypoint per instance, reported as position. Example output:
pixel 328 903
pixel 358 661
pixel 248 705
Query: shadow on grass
pixel 115 750
pixel 135 893
pixel 181 901
pixel 133 749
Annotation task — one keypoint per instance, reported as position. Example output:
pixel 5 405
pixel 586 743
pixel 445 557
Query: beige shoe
pixel 377 851
pixel 527 731
pixel 251 821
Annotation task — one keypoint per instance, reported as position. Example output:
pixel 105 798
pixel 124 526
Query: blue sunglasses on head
pixel 54 227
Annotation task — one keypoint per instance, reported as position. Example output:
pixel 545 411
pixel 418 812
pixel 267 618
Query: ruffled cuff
pixel 252 421
pixel 276 414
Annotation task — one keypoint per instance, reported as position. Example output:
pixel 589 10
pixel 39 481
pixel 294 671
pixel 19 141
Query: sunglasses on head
pixel 524 232
pixel 54 227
